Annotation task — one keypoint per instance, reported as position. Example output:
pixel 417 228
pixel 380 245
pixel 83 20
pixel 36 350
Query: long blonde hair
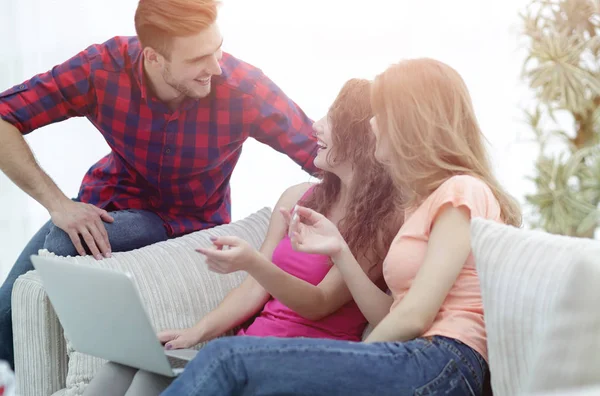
pixel 424 112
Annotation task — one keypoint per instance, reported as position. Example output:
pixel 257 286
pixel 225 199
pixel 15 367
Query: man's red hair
pixel 157 22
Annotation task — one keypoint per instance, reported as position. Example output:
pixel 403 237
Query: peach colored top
pixel 461 315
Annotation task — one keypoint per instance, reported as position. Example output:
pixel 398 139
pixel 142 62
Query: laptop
pixel 102 315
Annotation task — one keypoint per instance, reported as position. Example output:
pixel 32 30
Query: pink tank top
pixel 277 320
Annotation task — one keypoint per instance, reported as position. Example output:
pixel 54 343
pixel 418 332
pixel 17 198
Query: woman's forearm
pixel 239 305
pixel 303 298
pixel 373 303
pixel 394 330
pixel 405 322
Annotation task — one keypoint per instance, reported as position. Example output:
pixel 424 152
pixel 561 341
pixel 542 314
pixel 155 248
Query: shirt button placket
pixel 171 131
pixel 170 144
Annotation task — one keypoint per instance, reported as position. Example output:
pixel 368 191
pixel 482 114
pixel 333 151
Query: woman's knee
pixel 232 345
pixel 216 353
pixel 118 370
pixel 148 384
pixel 217 348
pixel 111 379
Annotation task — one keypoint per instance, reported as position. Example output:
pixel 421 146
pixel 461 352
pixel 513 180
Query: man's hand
pixel 81 220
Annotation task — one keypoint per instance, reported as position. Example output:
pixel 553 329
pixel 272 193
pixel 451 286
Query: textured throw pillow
pixel 520 273
pixel 174 284
pixel 570 358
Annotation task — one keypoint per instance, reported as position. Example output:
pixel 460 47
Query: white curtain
pixel 13 208
pixel 309 48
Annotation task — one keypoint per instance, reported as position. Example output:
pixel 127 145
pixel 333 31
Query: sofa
pixel 539 294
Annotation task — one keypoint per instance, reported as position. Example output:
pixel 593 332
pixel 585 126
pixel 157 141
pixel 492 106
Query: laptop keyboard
pixel 176 362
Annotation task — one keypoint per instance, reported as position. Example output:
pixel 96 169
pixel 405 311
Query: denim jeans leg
pixel 131 229
pixel 276 366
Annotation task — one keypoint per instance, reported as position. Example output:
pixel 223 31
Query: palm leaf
pixel 563 69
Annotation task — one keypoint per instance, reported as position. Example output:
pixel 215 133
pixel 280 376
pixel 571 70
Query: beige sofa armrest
pixel 40 348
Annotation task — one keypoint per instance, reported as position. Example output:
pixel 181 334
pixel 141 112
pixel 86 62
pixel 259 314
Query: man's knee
pixel 134 229
pixel 59 242
pixel 131 229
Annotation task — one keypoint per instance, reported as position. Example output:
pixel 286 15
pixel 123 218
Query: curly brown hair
pixel 372 217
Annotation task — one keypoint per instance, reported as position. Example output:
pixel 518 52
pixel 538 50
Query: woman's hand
pixel 231 254
pixel 180 339
pixel 313 233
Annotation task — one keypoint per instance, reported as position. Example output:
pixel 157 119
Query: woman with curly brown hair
pixel 289 293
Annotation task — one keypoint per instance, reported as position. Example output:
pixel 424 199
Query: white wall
pixel 309 48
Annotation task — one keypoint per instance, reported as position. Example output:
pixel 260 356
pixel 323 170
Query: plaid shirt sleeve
pixel 61 93
pixel 282 125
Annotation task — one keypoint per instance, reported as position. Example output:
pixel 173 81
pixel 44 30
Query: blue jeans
pixel 131 229
pixel 277 366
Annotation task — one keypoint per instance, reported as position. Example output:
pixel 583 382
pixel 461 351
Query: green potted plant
pixel 563 70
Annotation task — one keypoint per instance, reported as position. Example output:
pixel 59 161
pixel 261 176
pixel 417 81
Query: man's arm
pixel 281 124
pixel 18 163
pixel 61 93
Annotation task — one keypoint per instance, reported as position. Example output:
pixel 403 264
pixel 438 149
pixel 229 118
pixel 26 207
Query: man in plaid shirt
pixel 175 111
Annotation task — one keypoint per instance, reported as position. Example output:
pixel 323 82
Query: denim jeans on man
pixel 277 366
pixel 130 230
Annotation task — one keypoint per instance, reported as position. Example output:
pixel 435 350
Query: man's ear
pixel 153 57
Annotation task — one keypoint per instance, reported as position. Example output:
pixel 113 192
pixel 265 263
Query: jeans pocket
pixel 404 348
pixel 450 382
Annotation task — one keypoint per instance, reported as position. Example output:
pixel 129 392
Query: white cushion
pixel 174 283
pixel 520 272
pixel 579 391
pixel 570 358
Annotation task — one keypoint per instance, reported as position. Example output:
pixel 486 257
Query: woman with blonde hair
pixel 429 334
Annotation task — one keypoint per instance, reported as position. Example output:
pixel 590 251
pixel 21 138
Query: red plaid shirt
pixel 174 163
